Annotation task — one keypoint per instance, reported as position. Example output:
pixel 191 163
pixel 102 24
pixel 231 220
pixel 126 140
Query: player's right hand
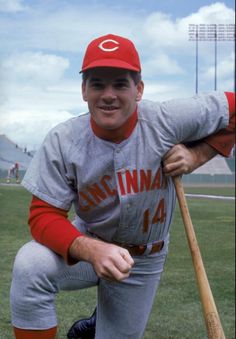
pixel 109 261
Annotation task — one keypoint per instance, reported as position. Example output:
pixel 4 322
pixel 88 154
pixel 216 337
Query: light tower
pixel 211 32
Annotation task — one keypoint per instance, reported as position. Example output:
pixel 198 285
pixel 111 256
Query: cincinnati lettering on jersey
pixel 129 182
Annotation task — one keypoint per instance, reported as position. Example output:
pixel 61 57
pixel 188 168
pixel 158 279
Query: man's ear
pixel 84 95
pixel 140 88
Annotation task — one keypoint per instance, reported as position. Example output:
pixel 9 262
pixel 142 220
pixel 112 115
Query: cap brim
pixel 110 63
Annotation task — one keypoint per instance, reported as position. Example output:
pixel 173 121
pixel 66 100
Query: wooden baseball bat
pixel 211 316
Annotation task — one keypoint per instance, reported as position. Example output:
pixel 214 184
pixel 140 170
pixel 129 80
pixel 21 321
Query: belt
pixel 141 249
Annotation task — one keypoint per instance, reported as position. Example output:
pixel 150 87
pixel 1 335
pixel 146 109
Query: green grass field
pixel 176 312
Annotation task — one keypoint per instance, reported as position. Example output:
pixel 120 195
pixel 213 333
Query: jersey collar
pixel 116 135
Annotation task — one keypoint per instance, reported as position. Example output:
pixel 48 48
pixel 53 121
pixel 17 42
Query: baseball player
pixel 114 165
pixel 13 171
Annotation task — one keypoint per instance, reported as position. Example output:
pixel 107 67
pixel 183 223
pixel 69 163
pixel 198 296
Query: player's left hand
pixel 179 160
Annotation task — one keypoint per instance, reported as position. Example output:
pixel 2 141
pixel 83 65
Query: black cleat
pixel 83 328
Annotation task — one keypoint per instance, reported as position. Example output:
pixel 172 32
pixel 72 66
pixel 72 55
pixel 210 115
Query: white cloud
pixel 29 128
pixel 30 112
pixel 162 32
pixel 225 68
pixel 67 28
pixel 161 64
pixel 37 96
pixel 11 6
pixel 35 67
pixel 216 13
pixel 165 90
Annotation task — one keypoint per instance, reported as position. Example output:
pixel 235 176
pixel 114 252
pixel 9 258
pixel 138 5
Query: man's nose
pixel 108 93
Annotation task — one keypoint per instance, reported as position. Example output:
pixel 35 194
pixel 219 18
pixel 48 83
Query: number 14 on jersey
pixel 150 218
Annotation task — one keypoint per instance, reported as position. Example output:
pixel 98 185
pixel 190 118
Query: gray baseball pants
pixel 123 307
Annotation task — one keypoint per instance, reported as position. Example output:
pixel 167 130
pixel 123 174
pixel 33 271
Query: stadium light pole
pixel 196 88
pixel 215 88
pixel 211 32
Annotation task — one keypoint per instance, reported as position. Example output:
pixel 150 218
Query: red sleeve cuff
pixel 49 226
pixel 231 102
pixel 224 140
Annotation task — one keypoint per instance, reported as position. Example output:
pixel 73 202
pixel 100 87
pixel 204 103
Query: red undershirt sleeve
pixel 224 140
pixel 50 226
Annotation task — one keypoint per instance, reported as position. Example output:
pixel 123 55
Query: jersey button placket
pixel 120 164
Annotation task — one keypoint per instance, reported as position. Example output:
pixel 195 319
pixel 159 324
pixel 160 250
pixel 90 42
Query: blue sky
pixel 42 45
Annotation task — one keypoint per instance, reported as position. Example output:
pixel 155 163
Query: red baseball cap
pixel 111 51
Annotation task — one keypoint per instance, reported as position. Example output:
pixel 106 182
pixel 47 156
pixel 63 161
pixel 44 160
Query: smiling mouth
pixel 108 108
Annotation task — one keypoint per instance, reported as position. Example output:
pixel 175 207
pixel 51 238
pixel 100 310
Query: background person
pixel 13 172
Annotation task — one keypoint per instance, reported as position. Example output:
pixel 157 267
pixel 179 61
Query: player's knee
pixel 32 263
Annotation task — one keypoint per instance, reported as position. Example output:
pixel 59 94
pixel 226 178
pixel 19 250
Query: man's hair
pixel 136 76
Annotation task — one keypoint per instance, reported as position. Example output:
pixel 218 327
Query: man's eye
pixel 96 85
pixel 121 85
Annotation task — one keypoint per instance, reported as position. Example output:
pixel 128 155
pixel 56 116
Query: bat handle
pixel 212 320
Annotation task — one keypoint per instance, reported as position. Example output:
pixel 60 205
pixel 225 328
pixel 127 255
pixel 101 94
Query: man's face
pixel 111 95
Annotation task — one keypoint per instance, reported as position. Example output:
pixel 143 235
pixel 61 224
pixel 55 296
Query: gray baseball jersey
pixel 119 191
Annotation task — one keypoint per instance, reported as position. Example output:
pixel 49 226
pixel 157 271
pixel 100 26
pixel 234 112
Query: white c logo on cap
pixel 108 49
